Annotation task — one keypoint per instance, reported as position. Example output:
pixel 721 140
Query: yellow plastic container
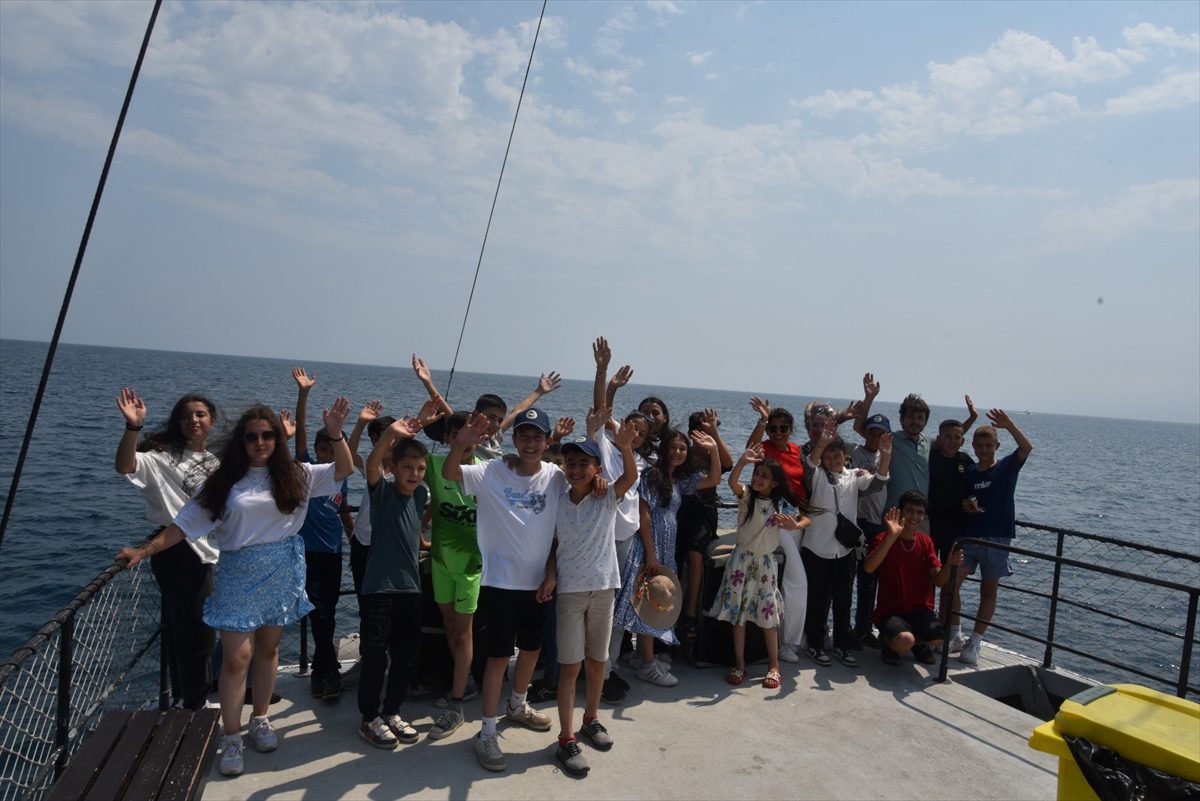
pixel 1142 725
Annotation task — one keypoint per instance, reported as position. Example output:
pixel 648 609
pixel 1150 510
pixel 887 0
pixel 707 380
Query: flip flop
pixel 771 682
pixel 736 676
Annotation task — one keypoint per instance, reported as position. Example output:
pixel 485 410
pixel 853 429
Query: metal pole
pixel 304 645
pixel 1189 639
pixel 62 723
pixel 951 611
pixel 1058 552
pixel 164 648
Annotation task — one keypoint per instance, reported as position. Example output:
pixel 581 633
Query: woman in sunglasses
pixel 253 505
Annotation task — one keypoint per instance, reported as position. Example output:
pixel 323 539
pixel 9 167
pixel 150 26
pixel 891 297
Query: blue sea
pixel 1131 479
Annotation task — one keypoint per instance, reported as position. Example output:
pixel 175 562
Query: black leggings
pixel 829 581
pixel 184 582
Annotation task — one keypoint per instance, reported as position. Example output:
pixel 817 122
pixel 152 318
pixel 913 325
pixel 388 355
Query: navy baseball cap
pixel 533 417
pixel 586 445
pixel 879 421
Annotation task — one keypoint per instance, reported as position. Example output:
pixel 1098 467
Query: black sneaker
pixel 924 654
pixel 570 756
pixel 819 656
pixel 616 679
pixel 889 656
pixel 613 692
pixel 331 687
pixel 539 693
pixel 869 640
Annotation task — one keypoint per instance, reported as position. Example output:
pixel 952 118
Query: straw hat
pixel 656 598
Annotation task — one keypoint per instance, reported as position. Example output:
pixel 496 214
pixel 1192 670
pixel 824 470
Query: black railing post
pixel 164 648
pixel 1058 552
pixel 951 611
pixel 62 722
pixel 1189 639
pixel 304 645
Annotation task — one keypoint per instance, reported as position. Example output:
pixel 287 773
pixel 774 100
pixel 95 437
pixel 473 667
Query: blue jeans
pixel 867 582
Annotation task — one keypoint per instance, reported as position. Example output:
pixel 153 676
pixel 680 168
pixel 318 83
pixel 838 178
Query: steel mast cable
pixel 66 303
pixel 495 197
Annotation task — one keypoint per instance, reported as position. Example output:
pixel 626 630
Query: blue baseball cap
pixel 535 417
pixel 879 421
pixel 586 445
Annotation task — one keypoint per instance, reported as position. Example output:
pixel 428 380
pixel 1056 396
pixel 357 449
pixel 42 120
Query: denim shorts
pixel 993 562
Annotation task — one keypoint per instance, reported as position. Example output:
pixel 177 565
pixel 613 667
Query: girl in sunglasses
pixel 253 505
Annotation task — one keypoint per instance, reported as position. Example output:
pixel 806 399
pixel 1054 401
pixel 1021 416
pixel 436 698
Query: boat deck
pixel 832 732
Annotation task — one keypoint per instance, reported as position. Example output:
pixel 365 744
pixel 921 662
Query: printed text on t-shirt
pixel 526 499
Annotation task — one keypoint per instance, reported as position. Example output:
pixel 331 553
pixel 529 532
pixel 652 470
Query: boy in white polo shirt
pixel 583 565
pixel 516 511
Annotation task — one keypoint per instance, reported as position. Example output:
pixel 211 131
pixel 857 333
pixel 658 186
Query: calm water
pixel 1131 479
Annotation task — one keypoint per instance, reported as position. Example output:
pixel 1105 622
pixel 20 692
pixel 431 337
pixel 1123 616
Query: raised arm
pixel 752 455
pixel 707 443
pixel 629 471
pixel 893 525
pixel 547 383
pixel 828 433
pixel 304 384
pixel 763 407
pixel 426 378
pixel 369 412
pixel 470 434
pixel 711 424
pixel 972 415
pixel 1000 419
pixel 602 355
pixel 870 392
pixel 620 379
pixel 404 428
pixel 134 412
pixel 334 418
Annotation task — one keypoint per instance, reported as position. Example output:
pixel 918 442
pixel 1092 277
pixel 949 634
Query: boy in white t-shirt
pixel 583 566
pixel 516 511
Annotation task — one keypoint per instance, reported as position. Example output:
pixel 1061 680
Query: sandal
pixel 771 682
pixel 736 676
pixel 691 628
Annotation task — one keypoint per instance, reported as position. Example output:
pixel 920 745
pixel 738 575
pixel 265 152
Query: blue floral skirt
pixel 749 591
pixel 623 615
pixel 259 585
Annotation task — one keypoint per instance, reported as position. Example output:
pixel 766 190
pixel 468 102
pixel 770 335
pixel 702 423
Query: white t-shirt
pixel 362 523
pixel 514 521
pixel 628 516
pixel 167 484
pixel 818 537
pixel 755 535
pixel 251 516
pixel 587 552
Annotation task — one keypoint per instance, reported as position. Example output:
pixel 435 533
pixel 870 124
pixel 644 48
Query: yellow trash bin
pixel 1145 726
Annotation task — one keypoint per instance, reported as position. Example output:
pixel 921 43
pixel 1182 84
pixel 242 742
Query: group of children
pixel 600 533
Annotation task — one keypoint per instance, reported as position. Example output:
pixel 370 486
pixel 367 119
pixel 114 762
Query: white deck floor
pixel 832 732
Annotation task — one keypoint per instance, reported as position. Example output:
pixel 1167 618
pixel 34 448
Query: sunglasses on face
pixel 251 437
pixel 778 429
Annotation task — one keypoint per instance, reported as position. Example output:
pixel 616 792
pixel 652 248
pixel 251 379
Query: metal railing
pixel 1150 612
pixel 97 653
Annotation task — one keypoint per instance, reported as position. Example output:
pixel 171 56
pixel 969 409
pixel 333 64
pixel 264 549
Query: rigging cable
pixel 495 196
pixel 66 303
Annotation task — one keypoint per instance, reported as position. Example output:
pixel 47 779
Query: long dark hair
pixel 170 436
pixel 779 493
pixel 658 475
pixel 666 423
pixel 287 482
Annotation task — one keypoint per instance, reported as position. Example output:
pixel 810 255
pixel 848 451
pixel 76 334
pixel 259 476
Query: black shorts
pixel 697 526
pixel 923 624
pixel 509 616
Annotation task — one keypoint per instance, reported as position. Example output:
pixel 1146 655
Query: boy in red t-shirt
pixel 908 567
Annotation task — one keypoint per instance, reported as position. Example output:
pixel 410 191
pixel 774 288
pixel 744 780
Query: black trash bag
pixel 1115 778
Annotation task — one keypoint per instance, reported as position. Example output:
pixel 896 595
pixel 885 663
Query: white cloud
pixel 664 6
pixel 1172 203
pixel 1172 91
pixel 1146 36
pixel 698 57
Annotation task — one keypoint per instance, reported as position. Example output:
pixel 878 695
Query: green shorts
pixel 456 580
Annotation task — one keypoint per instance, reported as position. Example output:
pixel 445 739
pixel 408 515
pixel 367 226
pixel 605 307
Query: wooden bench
pixel 142 756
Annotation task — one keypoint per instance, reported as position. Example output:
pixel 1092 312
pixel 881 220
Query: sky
pixel 1000 199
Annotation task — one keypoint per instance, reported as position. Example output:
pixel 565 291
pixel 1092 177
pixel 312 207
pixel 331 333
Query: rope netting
pixel 114 664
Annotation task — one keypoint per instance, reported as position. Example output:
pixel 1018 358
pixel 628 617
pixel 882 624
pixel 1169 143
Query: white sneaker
pixel 231 763
pixel 262 736
pixel 970 651
pixel 787 653
pixel 955 643
pixel 656 673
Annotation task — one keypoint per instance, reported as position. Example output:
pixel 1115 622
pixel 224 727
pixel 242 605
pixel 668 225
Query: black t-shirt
pixel 947 488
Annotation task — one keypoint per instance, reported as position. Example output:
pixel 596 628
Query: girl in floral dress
pixel 750 587
pixel 661 490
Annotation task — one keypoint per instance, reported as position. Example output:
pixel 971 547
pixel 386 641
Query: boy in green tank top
pixel 456 567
